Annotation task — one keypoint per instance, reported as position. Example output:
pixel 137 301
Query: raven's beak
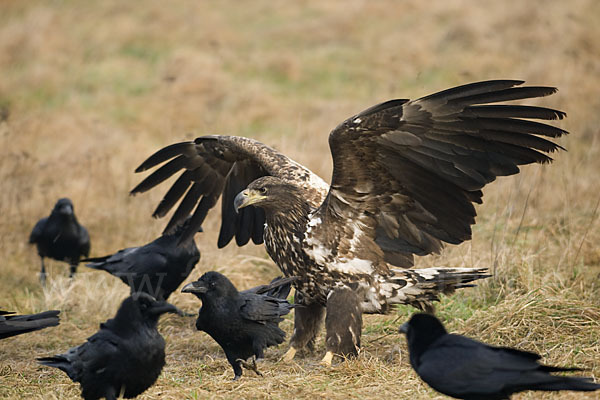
pixel 245 198
pixel 403 328
pixel 195 287
pixel 66 210
pixel 162 307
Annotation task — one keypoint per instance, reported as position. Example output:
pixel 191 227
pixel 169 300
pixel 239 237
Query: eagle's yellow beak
pixel 247 197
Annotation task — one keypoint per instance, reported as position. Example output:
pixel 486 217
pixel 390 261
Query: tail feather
pixel 111 263
pixel 550 368
pixel 59 361
pixel 421 287
pixel 11 325
pixel 96 262
pixel 580 384
pixel 69 362
pixel 95 259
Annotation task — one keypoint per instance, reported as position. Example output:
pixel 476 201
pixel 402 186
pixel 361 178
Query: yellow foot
pixel 327 359
pixel 289 355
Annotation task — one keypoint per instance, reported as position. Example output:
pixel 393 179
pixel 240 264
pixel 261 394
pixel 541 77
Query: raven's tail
pixel 59 361
pixel 555 383
pixel 11 325
pixel 96 262
pixel 421 287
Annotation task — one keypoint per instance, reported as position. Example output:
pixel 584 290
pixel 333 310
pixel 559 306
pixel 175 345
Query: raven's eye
pixel 213 284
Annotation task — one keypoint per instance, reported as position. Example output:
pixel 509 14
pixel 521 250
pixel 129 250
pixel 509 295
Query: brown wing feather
pixel 406 173
pixel 216 165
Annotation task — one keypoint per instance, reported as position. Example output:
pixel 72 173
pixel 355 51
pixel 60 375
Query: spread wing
pixel 221 165
pixel 406 173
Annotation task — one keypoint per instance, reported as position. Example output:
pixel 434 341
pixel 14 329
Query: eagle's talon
pixel 289 355
pixel 326 361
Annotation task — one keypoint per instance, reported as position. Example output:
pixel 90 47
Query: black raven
pixel 242 323
pixel 156 268
pixel 61 237
pixel 125 357
pixel 467 369
pixel 11 325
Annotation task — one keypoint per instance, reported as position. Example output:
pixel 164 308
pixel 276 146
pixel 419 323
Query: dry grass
pixel 92 88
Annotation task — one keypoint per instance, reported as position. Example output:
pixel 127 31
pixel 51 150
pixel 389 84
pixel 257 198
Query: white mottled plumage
pixel 406 176
pixel 352 266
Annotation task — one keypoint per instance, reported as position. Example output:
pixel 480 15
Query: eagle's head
pixel 269 193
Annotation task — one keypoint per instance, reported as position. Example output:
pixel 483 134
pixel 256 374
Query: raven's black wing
pixel 37 230
pixel 84 242
pixel 261 308
pixel 279 287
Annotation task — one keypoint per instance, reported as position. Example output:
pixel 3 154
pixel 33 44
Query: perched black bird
pixel 61 237
pixel 242 323
pixel 125 357
pixel 406 176
pixel 12 325
pixel 156 268
pixel 467 369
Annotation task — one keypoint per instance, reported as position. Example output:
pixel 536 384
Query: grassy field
pixel 89 89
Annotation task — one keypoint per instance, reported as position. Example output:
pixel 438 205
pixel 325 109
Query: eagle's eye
pixel 263 190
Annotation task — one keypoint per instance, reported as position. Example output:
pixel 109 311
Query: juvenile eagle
pixel 405 176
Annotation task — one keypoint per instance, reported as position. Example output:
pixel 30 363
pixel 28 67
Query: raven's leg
pixel 73 270
pixel 111 394
pixel 308 319
pixel 250 366
pixel 43 273
pixel 343 324
pixel 236 365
